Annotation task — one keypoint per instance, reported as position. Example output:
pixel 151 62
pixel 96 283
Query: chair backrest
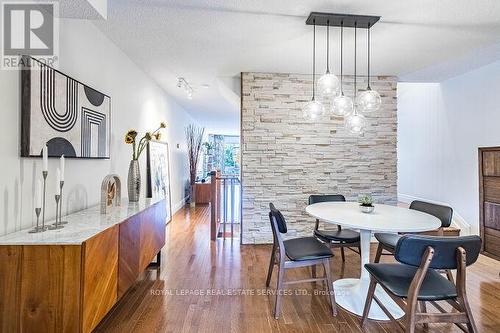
pixel 278 217
pixel 444 213
pixel 315 198
pixel 411 248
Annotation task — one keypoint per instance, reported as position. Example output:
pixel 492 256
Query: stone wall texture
pixel 286 158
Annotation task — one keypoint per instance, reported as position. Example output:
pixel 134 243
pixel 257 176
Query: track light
pixel 182 83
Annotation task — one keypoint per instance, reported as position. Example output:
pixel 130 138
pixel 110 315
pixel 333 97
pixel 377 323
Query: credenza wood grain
pixel 129 245
pixel 41 290
pixel 152 234
pixel 141 237
pixel 100 277
pixel 70 288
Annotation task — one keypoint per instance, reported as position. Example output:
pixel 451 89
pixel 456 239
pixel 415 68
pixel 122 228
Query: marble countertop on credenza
pixel 81 225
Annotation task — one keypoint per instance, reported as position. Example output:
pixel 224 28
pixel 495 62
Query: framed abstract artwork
pixel 72 118
pixel 158 174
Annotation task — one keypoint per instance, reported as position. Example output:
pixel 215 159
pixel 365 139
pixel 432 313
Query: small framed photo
pixel 158 174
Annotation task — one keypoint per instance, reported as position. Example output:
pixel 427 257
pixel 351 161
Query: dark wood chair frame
pixel 416 311
pixel 279 258
pixel 390 251
pixel 338 244
pixel 341 245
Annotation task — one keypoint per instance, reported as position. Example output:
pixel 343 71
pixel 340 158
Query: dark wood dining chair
pixel 388 241
pixel 295 253
pixel 340 238
pixel 414 281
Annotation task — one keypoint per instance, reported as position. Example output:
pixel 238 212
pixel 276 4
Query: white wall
pixel 137 102
pixel 440 127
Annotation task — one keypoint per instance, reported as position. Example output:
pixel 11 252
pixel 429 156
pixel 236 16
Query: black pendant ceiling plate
pixel 335 20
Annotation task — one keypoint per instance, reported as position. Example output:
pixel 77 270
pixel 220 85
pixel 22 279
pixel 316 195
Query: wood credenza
pixel 489 200
pixel 56 283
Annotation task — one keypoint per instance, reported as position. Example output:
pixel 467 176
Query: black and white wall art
pixel 158 174
pixel 72 118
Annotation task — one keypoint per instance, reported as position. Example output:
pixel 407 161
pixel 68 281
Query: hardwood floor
pixel 231 279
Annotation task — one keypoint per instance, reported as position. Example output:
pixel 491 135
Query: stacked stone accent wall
pixel 286 158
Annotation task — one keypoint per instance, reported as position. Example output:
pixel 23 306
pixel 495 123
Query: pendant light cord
pixel 314 57
pixel 368 88
pixel 355 53
pixel 341 57
pixel 328 47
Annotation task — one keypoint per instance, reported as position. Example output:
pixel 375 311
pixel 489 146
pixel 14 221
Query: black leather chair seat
pixel 389 240
pixel 306 248
pixel 343 235
pixel 397 279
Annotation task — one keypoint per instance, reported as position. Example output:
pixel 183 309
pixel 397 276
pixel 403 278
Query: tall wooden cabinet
pixel 489 200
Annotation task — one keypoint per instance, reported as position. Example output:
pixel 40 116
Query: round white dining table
pixel 350 294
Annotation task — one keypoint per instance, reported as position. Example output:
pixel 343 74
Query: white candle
pixel 38 194
pixel 58 183
pixel 45 153
pixel 62 167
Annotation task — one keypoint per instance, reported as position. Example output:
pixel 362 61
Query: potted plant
pixel 134 173
pixel 194 138
pixel 366 203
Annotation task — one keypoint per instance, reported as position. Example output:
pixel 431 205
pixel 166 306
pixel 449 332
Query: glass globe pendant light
pixel 328 83
pixel 313 109
pixel 369 100
pixel 342 105
pixel 355 123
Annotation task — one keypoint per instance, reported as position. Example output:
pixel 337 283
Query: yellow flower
pixel 157 136
pixel 132 133
pixel 129 139
pixel 163 125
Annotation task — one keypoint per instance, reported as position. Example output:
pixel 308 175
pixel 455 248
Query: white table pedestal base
pixel 350 294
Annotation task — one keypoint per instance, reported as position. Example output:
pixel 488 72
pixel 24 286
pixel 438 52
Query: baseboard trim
pixel 179 205
pixel 458 221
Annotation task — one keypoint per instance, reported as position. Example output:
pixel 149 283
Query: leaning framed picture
pixel 68 116
pixel 158 174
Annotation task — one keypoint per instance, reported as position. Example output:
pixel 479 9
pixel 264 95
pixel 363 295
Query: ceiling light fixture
pixel 182 83
pixel 342 105
pixel 313 109
pixel 328 83
pixel 369 100
pixel 355 122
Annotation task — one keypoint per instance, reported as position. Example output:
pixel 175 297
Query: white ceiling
pixel 211 42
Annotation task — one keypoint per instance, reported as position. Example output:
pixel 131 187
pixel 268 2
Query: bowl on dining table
pixel 367 209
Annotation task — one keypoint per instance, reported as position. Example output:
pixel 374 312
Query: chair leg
pixel 271 266
pixel 342 253
pixel 410 318
pixel 369 299
pixel 449 275
pixel 471 325
pixel 279 290
pixel 423 309
pixel 329 287
pixel 379 253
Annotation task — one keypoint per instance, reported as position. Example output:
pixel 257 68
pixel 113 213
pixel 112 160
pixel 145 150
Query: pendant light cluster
pixel 330 87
